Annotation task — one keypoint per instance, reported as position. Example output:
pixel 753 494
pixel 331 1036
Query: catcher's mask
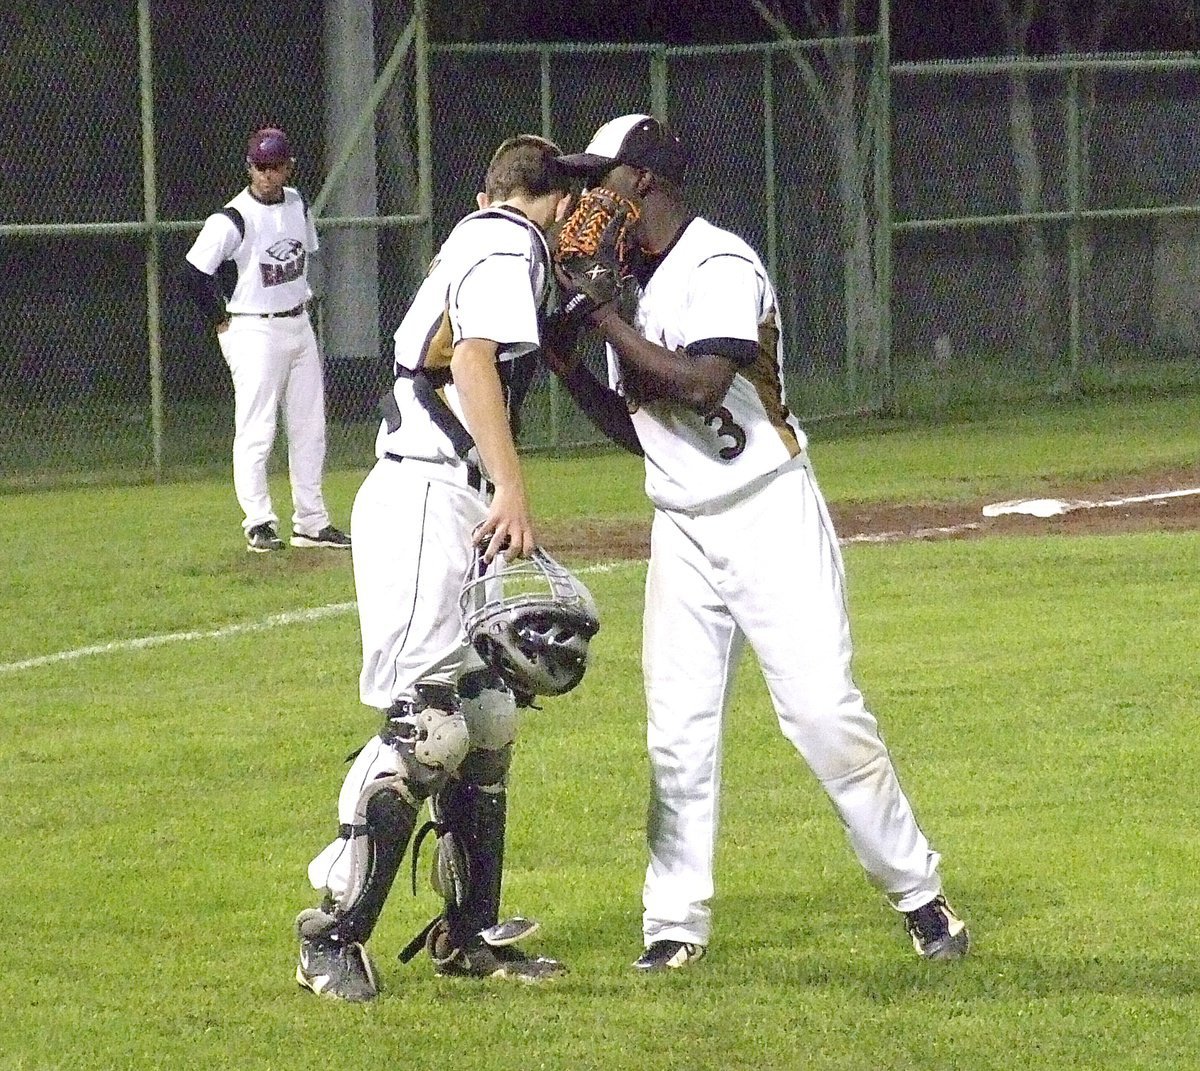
pixel 530 620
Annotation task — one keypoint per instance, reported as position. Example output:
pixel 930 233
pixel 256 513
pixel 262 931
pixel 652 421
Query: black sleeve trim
pixel 237 219
pixel 205 292
pixel 740 351
pixel 604 407
pixel 482 260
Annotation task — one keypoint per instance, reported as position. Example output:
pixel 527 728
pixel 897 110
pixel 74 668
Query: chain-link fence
pixel 934 231
pixel 1044 225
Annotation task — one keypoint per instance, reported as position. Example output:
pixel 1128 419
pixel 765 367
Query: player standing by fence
pixel 267 341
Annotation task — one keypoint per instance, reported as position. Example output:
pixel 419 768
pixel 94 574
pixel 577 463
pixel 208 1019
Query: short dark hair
pixel 525 162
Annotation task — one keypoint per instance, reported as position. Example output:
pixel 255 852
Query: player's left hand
pixel 592 252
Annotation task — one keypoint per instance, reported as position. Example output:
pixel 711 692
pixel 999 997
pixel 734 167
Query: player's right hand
pixel 507 527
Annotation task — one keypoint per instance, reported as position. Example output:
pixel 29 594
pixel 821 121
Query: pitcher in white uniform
pixel 742 550
pixel 267 340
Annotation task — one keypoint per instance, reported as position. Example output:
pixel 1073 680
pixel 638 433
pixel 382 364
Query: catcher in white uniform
pixel 447 486
pixel 742 549
pixel 267 341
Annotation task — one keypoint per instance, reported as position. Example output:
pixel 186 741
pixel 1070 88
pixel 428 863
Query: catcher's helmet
pixel 531 621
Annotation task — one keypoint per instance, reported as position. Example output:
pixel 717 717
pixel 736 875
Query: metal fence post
pixel 659 86
pixel 1075 230
pixel 547 109
pixel 884 234
pixel 150 210
pixel 424 136
pixel 769 163
pixel 547 98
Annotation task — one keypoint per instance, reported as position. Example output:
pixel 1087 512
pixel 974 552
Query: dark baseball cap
pixel 638 140
pixel 269 145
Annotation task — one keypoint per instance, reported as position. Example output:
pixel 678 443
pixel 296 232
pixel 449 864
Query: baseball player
pixel 742 549
pixel 447 480
pixel 265 336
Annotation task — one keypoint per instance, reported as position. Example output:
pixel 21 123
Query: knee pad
pixel 432 731
pixel 468 810
pixel 489 709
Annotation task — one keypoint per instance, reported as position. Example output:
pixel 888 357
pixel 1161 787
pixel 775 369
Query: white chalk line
pixel 295 617
pixel 141 643
pixel 911 533
pixel 290 617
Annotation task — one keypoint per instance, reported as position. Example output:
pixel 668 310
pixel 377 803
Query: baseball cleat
pixel 326 537
pixel 936 931
pixel 340 972
pixel 263 538
pixel 479 959
pixel 668 955
pixel 483 961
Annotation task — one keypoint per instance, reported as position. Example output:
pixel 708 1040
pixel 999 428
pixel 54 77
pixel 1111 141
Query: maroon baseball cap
pixel 267 146
pixel 638 140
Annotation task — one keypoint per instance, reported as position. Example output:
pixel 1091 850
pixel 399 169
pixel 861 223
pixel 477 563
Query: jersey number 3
pixel 728 428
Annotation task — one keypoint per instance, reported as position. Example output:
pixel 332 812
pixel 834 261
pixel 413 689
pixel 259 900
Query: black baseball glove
pixel 592 252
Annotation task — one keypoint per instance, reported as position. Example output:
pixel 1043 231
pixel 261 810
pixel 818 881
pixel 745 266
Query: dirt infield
pixel 860 522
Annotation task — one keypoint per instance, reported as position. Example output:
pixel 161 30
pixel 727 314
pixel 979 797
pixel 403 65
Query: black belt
pixel 275 315
pixel 475 478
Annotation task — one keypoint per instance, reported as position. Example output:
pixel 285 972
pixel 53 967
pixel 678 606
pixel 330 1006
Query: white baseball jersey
pixel 742 550
pixel 490 280
pixel 711 294
pixel 271 257
pixel 274 363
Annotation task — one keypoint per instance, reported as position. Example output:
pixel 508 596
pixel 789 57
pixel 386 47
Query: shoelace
pixel 928 922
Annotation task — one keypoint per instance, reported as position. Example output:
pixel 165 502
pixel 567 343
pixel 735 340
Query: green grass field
pixel 166 791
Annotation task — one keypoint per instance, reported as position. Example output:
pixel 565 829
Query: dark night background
pixel 69 78
pixel 921 29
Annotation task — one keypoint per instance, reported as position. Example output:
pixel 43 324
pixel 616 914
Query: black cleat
pixel 668 955
pixel 480 959
pixel 326 537
pixel 263 538
pixel 936 931
pixel 340 972
pixel 330 968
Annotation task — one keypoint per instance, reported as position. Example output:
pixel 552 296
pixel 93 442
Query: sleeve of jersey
pixel 311 244
pixel 494 300
pixel 723 309
pixel 215 243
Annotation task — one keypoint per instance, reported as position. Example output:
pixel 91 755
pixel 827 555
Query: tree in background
pixel 1061 27
pixel 850 116
pixel 1016 20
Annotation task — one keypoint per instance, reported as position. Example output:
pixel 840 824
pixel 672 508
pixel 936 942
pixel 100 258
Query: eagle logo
pixel 285 249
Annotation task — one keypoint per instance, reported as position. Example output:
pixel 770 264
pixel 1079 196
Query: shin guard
pixel 420 747
pixel 473 811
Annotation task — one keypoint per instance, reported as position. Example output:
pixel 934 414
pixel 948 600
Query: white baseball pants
pixel 411 527
pixel 767 569
pixel 275 364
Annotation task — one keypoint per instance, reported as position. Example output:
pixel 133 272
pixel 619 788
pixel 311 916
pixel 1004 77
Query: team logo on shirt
pixel 288 254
